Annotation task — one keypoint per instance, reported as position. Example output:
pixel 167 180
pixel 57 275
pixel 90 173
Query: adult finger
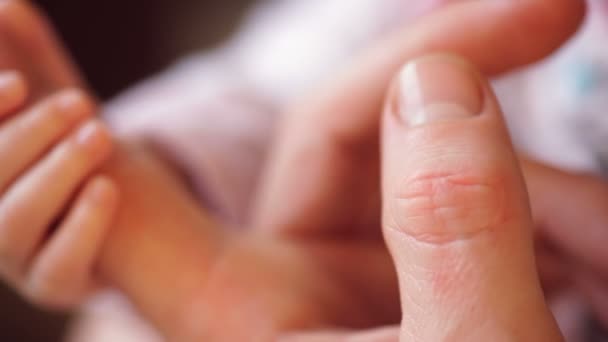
pixel 556 198
pixel 324 169
pixel 455 211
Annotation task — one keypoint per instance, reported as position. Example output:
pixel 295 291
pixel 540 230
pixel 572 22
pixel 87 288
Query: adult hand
pixel 332 144
pixel 322 178
pixel 455 214
pixel 316 207
pixel 326 160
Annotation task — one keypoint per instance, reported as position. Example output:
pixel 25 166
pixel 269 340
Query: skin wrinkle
pixel 471 204
pixel 445 267
pixel 442 295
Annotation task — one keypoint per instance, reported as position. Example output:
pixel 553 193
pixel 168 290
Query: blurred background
pixel 116 43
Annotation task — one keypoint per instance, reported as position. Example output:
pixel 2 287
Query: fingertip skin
pixel 95 140
pixel 104 193
pixel 34 48
pixel 13 92
pixel 23 21
pixel 548 24
pixel 61 274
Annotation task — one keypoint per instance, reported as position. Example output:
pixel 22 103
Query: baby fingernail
pixel 12 85
pixel 101 189
pixel 73 104
pixel 437 88
pixel 9 78
pixel 91 135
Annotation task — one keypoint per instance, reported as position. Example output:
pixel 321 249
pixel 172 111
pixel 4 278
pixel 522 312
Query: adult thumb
pixel 455 211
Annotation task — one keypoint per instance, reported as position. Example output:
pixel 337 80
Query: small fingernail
pixel 90 135
pixel 11 82
pixel 69 99
pixel 73 104
pixel 101 189
pixel 9 78
pixel 437 88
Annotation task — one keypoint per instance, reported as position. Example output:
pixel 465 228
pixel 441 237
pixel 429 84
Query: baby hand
pixel 54 213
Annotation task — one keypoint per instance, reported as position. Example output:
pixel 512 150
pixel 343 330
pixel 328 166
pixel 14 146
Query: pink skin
pixel 52 145
pixel 141 175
